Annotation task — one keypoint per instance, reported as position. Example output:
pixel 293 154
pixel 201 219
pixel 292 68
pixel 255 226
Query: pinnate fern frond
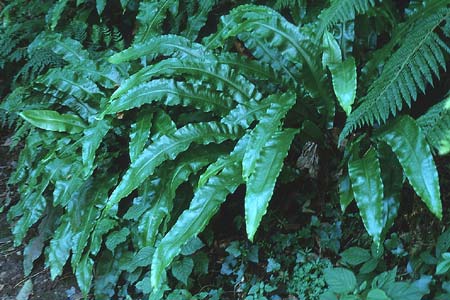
pixel 409 69
pixel 341 11
pixel 435 124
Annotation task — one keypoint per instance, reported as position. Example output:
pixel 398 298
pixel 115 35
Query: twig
pixel 29 277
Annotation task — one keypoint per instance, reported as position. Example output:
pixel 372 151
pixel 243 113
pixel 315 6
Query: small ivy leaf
pixel 365 176
pixel 340 280
pixel 192 246
pixel 355 256
pixel 377 294
pixel 54 121
pixel 414 154
pixel 117 237
pixel 182 269
pixel 344 83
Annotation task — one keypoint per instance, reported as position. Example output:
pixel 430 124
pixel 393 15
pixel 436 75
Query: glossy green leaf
pixel 267 126
pixel 84 274
pixel 345 193
pixel 167 148
pixel 261 183
pixel 93 136
pixel 367 186
pixel 170 92
pixel 392 176
pixel 414 155
pixel 167 45
pixel 344 83
pixel 54 121
pixel 140 133
pixel 222 76
pixel 59 249
pixel 168 180
pixel 206 202
pixel 331 51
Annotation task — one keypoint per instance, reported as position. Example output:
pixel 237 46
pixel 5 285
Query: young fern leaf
pixel 414 154
pixel 410 67
pixel 206 202
pixel 196 21
pixel 367 186
pixel 261 183
pixel 341 11
pixel 167 148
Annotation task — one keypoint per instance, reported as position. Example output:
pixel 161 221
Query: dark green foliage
pixel 140 120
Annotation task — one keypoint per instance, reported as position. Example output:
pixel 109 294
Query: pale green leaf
pixel 355 256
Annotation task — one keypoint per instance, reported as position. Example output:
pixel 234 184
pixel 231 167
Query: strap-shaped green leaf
pixel 392 176
pixel 170 93
pixel 204 205
pixel 59 249
pixel 93 136
pixel 262 181
pixel 414 154
pixel 223 77
pixel 54 121
pixel 167 148
pixel 167 45
pixel 140 132
pixel 365 176
pixel 84 274
pixel 267 126
pixel 344 83
pixel 168 180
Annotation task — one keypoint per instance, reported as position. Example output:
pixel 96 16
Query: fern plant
pixel 128 155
